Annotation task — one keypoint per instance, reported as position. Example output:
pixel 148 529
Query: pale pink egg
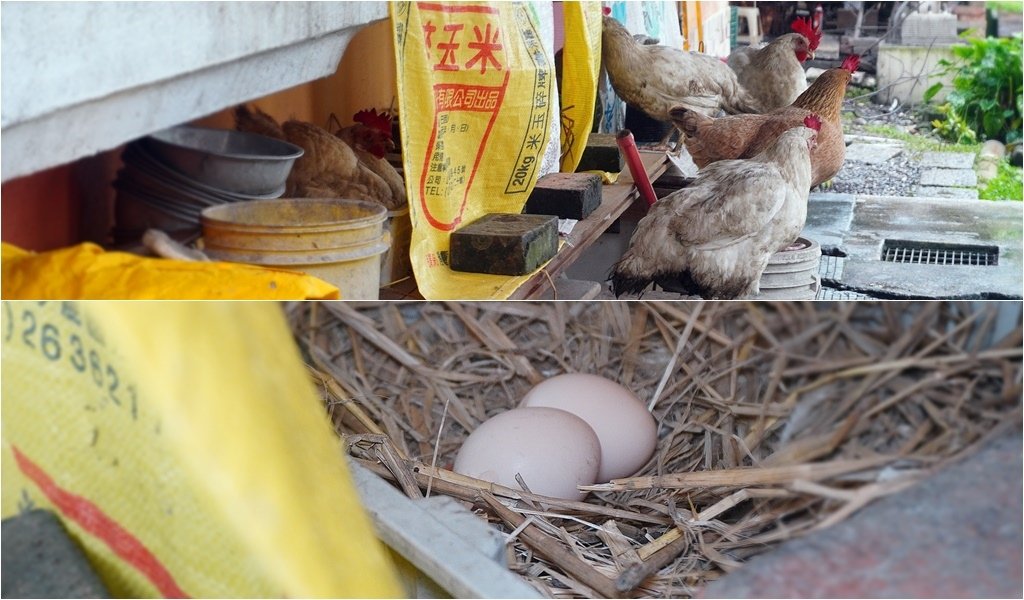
pixel 554 451
pixel 624 426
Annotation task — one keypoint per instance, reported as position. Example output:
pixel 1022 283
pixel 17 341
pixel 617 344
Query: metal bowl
pixel 234 161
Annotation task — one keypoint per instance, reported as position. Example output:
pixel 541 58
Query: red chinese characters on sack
pixel 460 50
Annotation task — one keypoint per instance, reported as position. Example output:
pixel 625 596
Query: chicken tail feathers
pixel 687 120
pixel 629 276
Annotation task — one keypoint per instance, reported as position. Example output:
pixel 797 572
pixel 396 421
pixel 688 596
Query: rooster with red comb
pixel 774 74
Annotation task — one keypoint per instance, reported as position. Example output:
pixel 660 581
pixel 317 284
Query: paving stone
pixel 949 177
pixel 948 160
pixel 872 154
pixel 956 534
pixel 926 191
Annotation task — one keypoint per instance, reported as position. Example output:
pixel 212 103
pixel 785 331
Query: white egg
pixel 554 451
pixel 624 426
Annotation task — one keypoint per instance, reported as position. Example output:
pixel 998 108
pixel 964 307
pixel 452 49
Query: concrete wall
pixel 905 72
pixel 84 77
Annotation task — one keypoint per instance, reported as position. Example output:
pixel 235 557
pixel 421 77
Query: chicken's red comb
pixel 851 62
pixel 370 118
pixel 813 121
pixel 606 10
pixel 804 28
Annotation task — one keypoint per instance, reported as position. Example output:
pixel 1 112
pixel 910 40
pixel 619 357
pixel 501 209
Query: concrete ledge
pixel 957 534
pixel 82 78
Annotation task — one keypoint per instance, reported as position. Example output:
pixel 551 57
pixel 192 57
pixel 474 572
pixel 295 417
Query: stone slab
pixel 948 160
pixel 872 154
pixel 928 191
pixel 40 560
pixel 565 195
pixel 504 244
pixel 828 218
pixel 956 534
pixel 949 177
pixel 601 154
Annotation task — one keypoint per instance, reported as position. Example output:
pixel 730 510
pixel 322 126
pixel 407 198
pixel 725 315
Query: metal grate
pixel 928 253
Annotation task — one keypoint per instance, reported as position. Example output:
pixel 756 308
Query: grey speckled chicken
pixel 656 78
pixel 774 73
pixel 717 235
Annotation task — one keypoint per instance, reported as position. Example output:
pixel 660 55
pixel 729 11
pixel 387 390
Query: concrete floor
pixel 857 227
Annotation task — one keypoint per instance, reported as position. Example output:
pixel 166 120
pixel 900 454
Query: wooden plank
pixel 420 536
pixel 615 199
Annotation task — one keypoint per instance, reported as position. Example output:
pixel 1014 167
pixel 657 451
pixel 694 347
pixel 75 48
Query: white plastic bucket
pixel 338 240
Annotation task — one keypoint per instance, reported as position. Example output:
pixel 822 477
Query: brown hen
pixel 742 136
pixel 332 166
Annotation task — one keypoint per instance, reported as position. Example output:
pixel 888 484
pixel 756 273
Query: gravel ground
pixel 898 176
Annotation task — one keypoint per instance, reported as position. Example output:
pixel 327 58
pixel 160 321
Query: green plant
pixel 1006 185
pixel 1005 5
pixel 918 142
pixel 985 102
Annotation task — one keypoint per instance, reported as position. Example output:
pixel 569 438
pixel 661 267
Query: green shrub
pixel 1005 186
pixel 985 102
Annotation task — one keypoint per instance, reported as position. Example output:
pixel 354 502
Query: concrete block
pixel 872 154
pixel 40 560
pixel 504 244
pixel 601 154
pixel 949 177
pixel 920 29
pixel 905 72
pixel 927 191
pixel 565 195
pixel 948 160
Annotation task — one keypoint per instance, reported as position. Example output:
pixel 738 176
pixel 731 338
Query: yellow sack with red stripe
pixel 185 449
pixel 478 106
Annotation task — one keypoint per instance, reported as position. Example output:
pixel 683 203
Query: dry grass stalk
pixel 774 419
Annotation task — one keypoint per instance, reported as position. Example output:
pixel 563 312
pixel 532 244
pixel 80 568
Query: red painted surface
pixel 41 211
pixel 92 519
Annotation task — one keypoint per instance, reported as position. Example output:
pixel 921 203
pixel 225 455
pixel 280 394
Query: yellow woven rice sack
pixel 185 449
pixel 581 66
pixel 477 99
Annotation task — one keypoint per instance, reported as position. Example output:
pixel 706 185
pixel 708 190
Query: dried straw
pixel 774 419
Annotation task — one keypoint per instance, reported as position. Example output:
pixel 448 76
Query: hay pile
pixel 775 419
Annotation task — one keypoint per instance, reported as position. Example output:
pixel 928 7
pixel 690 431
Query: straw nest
pixel 774 419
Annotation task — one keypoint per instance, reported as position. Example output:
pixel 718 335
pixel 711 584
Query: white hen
pixel 717 234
